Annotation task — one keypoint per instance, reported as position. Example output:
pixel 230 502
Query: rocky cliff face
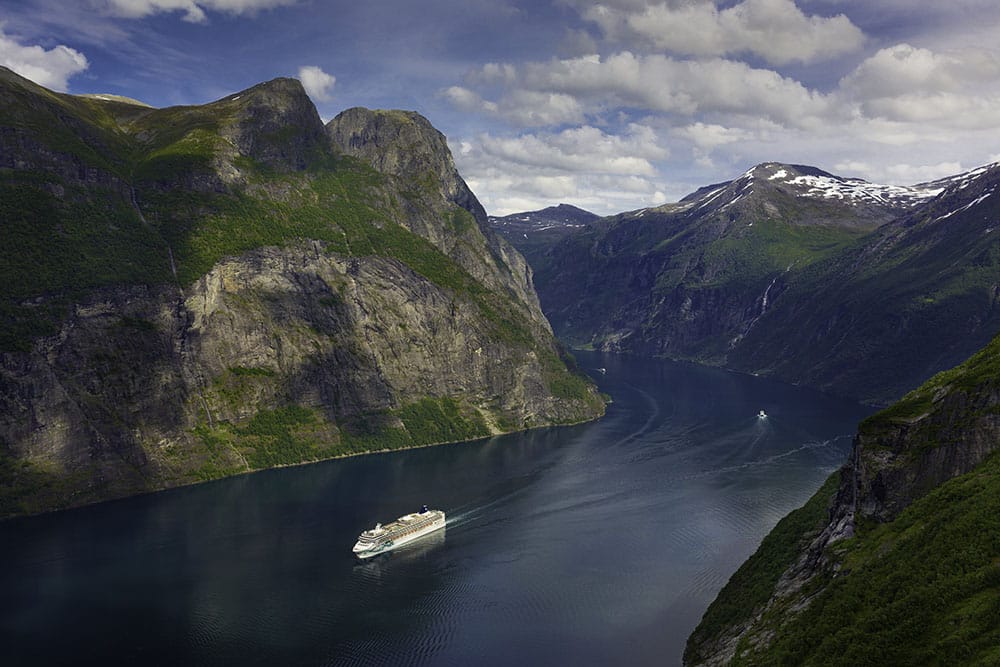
pixel 201 291
pixel 690 280
pixel 404 147
pixel 918 464
pixel 855 288
pixel 918 295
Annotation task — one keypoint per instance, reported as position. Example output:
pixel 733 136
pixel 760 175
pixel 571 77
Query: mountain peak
pixel 403 144
pixel 561 215
pixel 111 97
pixel 779 170
pixel 809 182
pixel 274 122
pixel 379 136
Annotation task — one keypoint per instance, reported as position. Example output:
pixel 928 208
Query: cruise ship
pixel 404 529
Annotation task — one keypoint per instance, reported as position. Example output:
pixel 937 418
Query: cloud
pixel 194 10
pixel 654 83
pixel 914 85
pixel 51 68
pixel 585 166
pixel 776 30
pixel 899 173
pixel 316 82
pixel 581 149
pixel 709 136
pixel 903 69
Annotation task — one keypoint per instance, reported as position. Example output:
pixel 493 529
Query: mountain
pixel 534 232
pixel 728 275
pixel 918 295
pixel 894 560
pixel 193 292
pixel 562 215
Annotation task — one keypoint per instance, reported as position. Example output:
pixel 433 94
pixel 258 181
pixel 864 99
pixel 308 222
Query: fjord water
pixel 601 543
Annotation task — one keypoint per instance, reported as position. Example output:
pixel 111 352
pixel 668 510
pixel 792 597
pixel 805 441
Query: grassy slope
pixel 922 589
pixel 753 583
pixel 76 242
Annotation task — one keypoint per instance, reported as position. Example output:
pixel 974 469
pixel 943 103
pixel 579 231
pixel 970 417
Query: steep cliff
pixel 918 295
pixel 858 289
pixel 690 280
pixel 893 561
pixel 194 292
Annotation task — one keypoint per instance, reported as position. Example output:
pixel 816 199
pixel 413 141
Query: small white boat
pixel 761 415
pixel 406 528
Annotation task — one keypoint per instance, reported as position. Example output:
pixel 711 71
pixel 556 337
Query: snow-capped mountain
pixel 533 232
pixel 804 182
pixel 856 287
pixel 563 215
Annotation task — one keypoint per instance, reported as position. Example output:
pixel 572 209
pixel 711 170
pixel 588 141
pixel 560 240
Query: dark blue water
pixel 589 545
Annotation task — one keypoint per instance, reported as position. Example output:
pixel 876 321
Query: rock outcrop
pixel 909 465
pixel 194 292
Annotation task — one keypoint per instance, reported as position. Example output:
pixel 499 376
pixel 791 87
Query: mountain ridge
pixel 726 275
pixel 193 292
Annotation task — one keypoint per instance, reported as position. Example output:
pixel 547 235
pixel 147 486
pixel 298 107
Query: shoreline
pixel 149 492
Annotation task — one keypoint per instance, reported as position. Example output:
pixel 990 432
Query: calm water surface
pixel 596 544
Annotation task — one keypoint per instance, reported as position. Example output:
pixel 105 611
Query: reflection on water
pixel 595 544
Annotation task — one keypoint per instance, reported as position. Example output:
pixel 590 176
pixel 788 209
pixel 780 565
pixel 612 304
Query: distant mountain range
pixel 536 231
pixel 857 288
pixel 562 215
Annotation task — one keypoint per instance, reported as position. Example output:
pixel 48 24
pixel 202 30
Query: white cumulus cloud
pixel 584 166
pixel 907 84
pixel 655 83
pixel 193 10
pixel 316 82
pixel 776 30
pixel 51 68
pixel 581 149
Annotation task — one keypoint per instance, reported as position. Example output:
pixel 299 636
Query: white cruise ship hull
pixel 403 530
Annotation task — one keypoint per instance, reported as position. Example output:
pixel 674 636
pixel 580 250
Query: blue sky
pixel 610 105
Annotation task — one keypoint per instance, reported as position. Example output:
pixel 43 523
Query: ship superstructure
pixel 406 528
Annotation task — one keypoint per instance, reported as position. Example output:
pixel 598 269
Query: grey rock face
pixel 115 398
pixel 404 146
pixel 251 343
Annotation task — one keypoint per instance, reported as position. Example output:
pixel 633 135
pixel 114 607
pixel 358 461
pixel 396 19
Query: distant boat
pixel 602 371
pixel 761 415
pixel 406 528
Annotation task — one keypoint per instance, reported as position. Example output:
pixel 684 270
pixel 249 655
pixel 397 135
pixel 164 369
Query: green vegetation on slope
pixel 749 589
pixel 294 434
pixel 773 245
pixel 921 590
pixel 62 246
pixel 979 370
pixel 78 242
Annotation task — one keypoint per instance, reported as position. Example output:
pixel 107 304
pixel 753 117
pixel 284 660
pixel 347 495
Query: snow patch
pixel 710 196
pixel 964 208
pixel 858 191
